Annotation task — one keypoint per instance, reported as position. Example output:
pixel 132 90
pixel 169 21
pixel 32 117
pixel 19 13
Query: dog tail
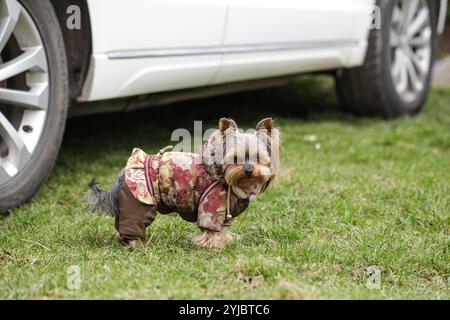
pixel 104 202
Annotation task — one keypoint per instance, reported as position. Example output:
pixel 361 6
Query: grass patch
pixel 367 192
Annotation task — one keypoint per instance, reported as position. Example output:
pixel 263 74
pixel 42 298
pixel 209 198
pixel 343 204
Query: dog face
pixel 250 160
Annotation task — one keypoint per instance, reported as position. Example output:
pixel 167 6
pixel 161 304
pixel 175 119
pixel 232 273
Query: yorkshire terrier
pixel 210 188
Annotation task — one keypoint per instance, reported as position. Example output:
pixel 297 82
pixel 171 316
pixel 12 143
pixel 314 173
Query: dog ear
pixel 265 124
pixel 225 123
pixel 271 136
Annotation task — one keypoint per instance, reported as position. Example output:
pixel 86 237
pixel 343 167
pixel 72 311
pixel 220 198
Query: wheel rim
pixel 410 46
pixel 24 88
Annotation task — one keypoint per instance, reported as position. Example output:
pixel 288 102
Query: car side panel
pixel 134 25
pixel 122 29
pixel 326 33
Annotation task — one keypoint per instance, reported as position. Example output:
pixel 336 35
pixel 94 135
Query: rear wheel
pixel 33 97
pixel 396 74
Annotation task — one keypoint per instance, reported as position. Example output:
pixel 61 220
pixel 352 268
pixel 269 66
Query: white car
pixel 61 57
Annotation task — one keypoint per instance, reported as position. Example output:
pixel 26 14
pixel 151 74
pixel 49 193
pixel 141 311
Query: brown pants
pixel 134 216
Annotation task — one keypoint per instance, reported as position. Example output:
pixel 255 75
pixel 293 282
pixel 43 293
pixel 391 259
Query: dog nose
pixel 248 169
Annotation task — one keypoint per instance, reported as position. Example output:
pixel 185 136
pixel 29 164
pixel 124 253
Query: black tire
pixel 25 184
pixel 369 90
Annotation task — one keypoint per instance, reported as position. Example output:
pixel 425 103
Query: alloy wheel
pixel 410 47
pixel 24 88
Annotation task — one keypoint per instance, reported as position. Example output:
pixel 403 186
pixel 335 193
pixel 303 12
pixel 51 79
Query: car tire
pixel 22 183
pixel 377 88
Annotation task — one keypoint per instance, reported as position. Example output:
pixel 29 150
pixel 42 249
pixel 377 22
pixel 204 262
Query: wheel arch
pixel 441 14
pixel 78 43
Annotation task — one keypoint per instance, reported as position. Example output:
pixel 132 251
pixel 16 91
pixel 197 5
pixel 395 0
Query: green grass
pixel 374 193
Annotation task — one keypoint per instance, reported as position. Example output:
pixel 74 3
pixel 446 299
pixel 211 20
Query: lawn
pixel 365 193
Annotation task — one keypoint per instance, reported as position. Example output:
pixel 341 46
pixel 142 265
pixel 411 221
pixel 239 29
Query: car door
pixel 274 37
pixel 146 46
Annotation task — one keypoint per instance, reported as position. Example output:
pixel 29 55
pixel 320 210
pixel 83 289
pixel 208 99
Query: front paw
pixel 213 239
pixel 134 244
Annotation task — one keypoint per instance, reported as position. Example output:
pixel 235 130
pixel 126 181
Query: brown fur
pixel 247 148
pixel 264 162
pixel 213 239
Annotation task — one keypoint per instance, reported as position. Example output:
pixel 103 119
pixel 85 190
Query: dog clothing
pixel 172 182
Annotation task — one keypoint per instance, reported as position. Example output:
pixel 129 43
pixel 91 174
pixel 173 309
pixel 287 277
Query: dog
pixel 211 188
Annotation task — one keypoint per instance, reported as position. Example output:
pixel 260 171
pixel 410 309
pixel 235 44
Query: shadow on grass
pixel 309 98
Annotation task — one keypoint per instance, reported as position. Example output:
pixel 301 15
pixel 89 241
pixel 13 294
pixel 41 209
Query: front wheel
pixel 396 74
pixel 33 97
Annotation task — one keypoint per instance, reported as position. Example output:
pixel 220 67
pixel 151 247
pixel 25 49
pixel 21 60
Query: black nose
pixel 248 169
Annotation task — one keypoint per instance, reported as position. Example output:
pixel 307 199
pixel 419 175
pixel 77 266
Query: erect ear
pixel 265 124
pixel 225 123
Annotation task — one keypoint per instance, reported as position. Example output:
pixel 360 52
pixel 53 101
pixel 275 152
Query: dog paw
pixel 116 235
pixel 213 239
pixel 134 244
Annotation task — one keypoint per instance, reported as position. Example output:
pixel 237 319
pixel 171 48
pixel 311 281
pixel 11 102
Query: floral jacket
pixel 178 182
